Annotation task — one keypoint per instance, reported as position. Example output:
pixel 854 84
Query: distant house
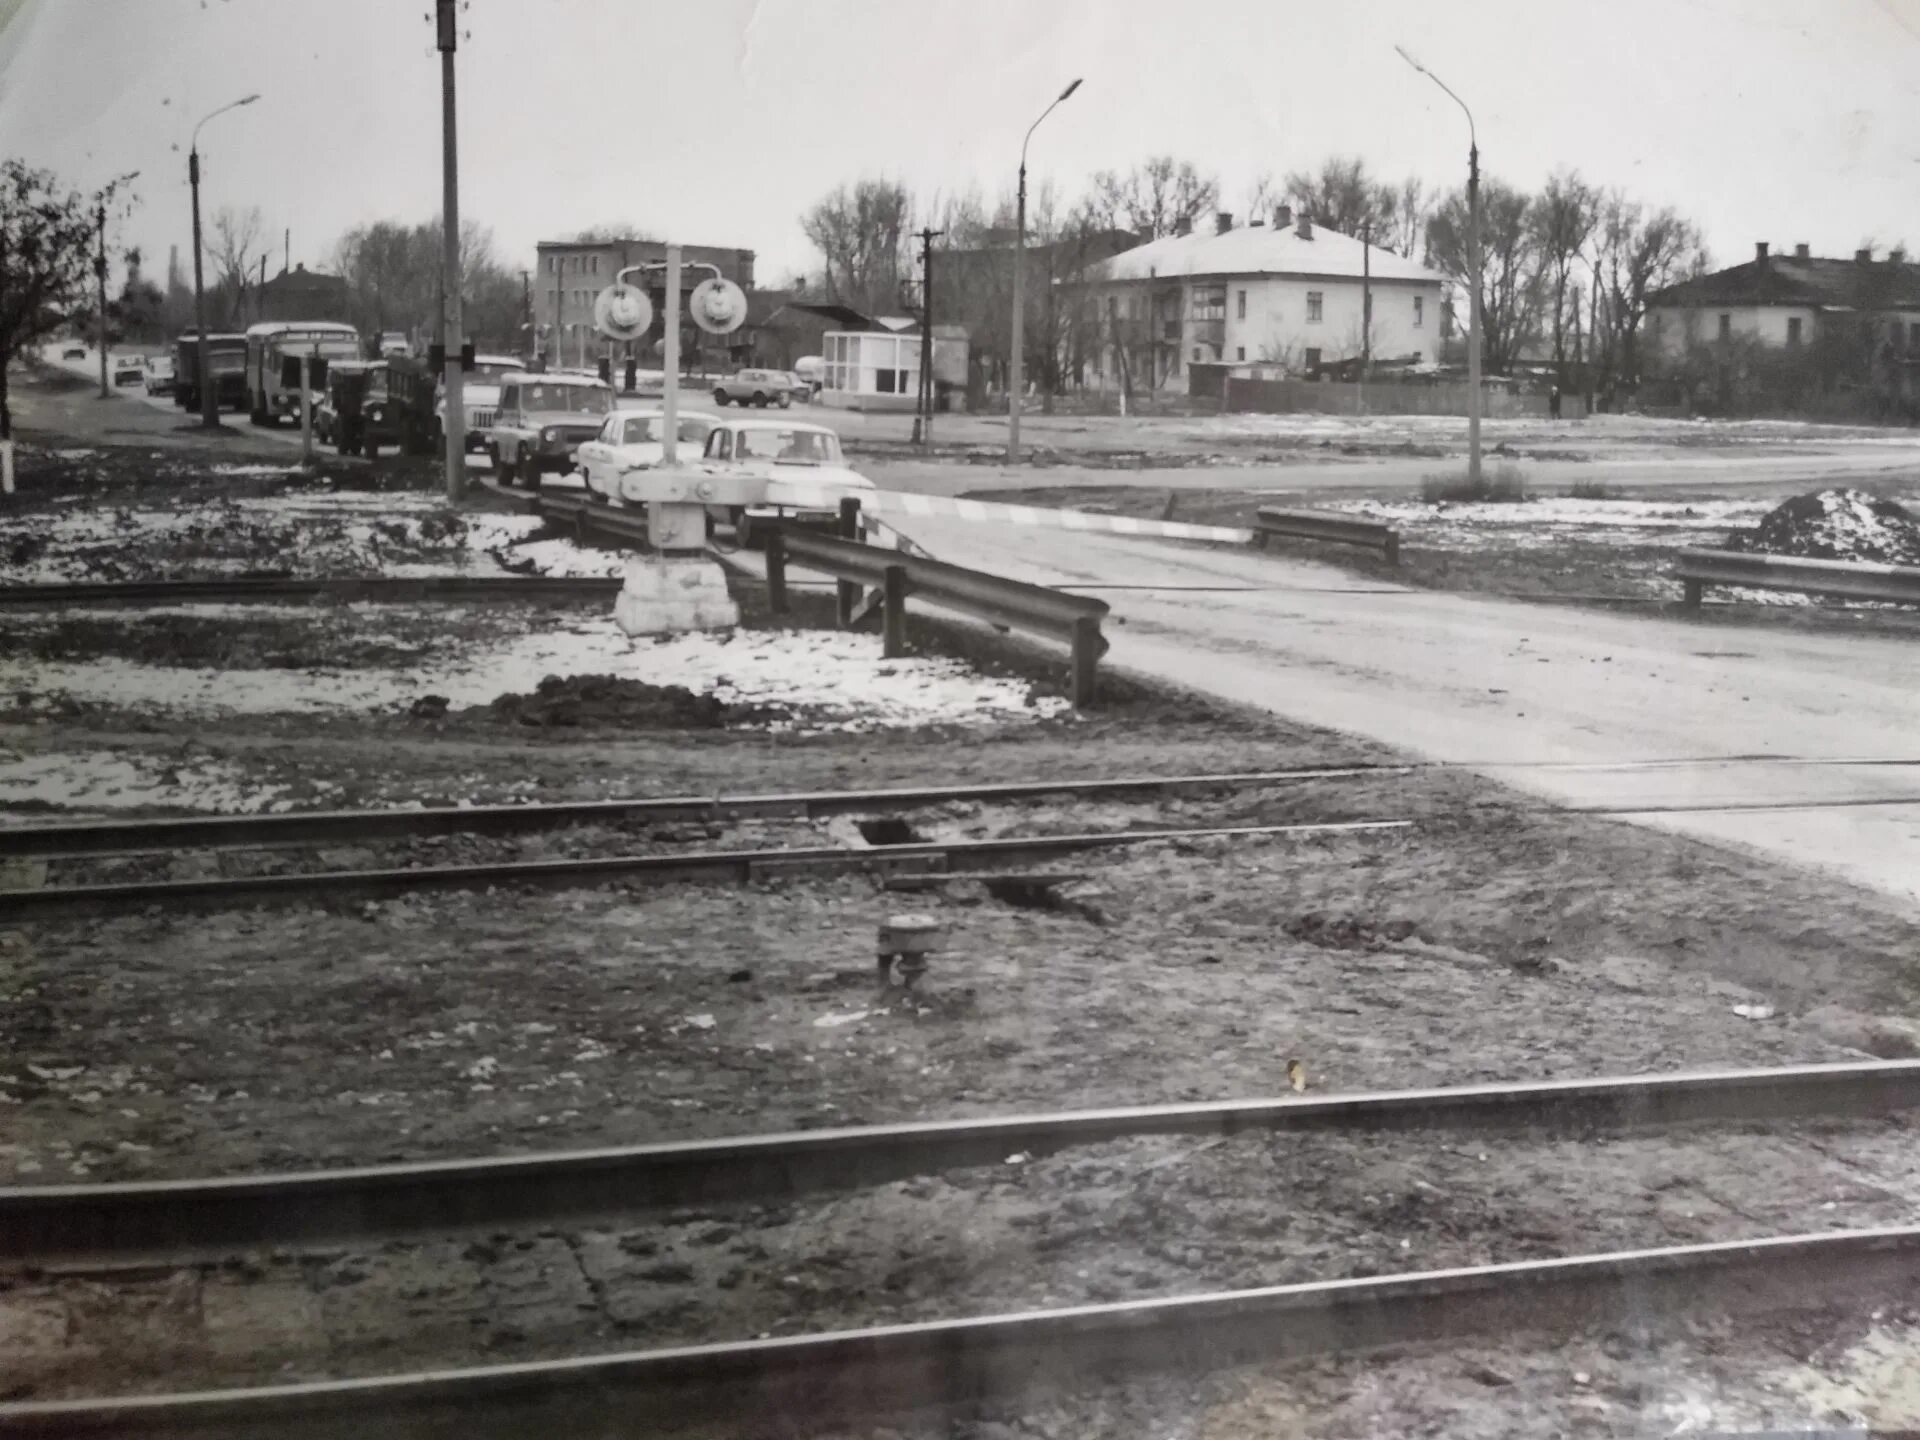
pixel 1290 295
pixel 303 294
pixel 787 325
pixel 1792 300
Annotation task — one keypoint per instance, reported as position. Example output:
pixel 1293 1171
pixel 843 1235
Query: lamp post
pixel 209 412
pixel 1015 379
pixel 1474 400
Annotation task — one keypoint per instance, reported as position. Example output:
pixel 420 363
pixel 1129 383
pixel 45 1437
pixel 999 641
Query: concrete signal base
pixel 666 595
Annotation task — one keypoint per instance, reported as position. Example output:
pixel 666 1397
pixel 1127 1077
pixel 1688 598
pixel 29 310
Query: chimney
pixel 1897 255
pixel 1283 217
pixel 1863 257
pixel 1223 222
pixel 1304 226
pixel 1800 252
pixel 1183 226
pixel 1760 252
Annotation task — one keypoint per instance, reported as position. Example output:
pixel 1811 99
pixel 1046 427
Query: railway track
pixel 344 588
pixel 174 1220
pixel 867 1372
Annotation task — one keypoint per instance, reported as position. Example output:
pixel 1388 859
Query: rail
pixel 313 827
pixel 744 866
pixel 147 1221
pixel 1325 525
pixel 1847 579
pixel 898 574
pixel 860 1375
pixel 345 588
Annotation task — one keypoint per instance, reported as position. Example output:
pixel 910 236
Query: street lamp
pixel 209 411
pixel 100 276
pixel 1016 381
pixel 1474 401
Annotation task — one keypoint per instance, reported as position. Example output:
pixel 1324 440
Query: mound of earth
pixel 619 703
pixel 1835 525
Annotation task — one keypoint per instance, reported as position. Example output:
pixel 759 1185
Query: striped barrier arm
pixel 798 494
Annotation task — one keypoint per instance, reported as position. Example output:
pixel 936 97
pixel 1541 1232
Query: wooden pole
pixel 893 642
pixel 847 592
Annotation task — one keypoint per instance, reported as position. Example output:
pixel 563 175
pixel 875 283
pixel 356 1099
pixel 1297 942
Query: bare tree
pixel 1261 196
pixel 236 253
pixel 861 234
pixel 1510 292
pixel 1344 196
pixel 1407 224
pixel 1152 198
pixel 1634 255
pixel 1563 220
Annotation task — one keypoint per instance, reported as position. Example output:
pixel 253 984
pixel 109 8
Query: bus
pixel 275 349
pixel 226 359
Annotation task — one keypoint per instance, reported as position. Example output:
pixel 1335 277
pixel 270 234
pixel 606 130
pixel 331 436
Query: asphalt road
pixel 1520 690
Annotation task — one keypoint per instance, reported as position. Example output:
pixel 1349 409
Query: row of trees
pixel 1568 269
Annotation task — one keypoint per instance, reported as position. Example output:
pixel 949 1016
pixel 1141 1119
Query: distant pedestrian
pixel 1553 401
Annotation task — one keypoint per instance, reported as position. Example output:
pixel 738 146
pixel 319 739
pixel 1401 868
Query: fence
pixel 1288 397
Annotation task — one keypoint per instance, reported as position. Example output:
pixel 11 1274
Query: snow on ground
pixel 1600 429
pixel 840 679
pixel 106 780
pixel 1565 512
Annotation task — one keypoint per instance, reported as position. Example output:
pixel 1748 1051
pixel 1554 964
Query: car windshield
pixel 788 446
pixel 648 429
pixel 489 372
pixel 578 399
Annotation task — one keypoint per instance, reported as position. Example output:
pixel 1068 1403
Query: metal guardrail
pixel 1015 604
pixel 1848 579
pixel 1323 525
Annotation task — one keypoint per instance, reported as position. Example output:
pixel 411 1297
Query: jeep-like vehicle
pixel 540 421
pixel 755 387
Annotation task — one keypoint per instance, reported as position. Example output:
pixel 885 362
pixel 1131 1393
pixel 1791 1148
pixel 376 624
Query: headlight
pixel 376 413
pixel 549 435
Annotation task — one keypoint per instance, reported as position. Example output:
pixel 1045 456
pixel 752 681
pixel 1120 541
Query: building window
pixel 1419 311
pixel 1315 306
pixel 1242 307
pixel 596 264
pixel 1726 327
pixel 1113 307
pixel 1209 302
pixel 1793 330
pixel 1240 352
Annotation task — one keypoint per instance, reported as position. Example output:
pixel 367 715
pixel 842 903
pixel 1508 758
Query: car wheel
pixel 720 398
pixel 534 474
pixel 505 467
pixel 759 400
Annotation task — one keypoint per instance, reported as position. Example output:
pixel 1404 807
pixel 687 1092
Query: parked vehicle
pixel 226 362
pixel 159 378
pixel 541 420
pixel 755 387
pixel 73 352
pixel 632 440
pixel 479 396
pixel 392 343
pixel 276 350
pixel 797 459
pixel 128 370
pixel 359 412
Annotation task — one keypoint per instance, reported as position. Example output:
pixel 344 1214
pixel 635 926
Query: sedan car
pixel 631 440
pixel 74 352
pixel 128 370
pixel 802 465
pixel 755 387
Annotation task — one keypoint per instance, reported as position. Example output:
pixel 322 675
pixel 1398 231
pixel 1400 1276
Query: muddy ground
pixel 1493 939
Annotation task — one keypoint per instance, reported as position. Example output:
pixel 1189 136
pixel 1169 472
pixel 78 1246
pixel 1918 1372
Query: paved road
pixel 1509 687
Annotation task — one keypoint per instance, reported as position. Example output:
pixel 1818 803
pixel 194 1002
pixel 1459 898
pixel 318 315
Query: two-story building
pixel 1791 300
pixel 1290 296
pixel 571 273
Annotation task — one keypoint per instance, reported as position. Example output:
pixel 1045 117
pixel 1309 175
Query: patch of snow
pixel 107 780
pixel 1565 511
pixel 840 677
pixel 256 470
pixel 834 1022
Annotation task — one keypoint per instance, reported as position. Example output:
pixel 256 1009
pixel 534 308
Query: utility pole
pixel 209 413
pixel 260 295
pixel 923 401
pixel 1016 380
pixel 100 276
pixel 526 306
pixel 455 426
pixel 670 359
pixel 1366 309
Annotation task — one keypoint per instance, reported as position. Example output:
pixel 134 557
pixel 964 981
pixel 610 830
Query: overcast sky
pixel 718 121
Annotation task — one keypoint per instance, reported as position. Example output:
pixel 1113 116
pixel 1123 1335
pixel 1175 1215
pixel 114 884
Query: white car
pixel 631 440
pixel 802 463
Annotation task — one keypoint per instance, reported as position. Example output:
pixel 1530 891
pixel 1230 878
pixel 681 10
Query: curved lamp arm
pixel 1043 115
pixel 1472 134
pixel 230 105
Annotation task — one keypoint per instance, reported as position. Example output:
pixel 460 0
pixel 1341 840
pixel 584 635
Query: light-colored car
pixel 755 387
pixel 801 462
pixel 159 375
pixel 128 370
pixel 74 352
pixel 479 397
pixel 541 420
pixel 631 440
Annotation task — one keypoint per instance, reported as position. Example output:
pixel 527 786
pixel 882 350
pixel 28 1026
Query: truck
pixel 276 350
pixel 226 360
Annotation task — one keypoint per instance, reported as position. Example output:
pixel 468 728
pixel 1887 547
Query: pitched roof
pixel 1259 250
pixel 1790 280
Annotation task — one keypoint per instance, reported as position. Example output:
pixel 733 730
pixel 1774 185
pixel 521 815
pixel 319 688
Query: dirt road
pixel 1509 687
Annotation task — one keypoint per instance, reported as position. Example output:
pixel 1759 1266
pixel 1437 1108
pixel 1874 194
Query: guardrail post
pixel 776 571
pixel 1393 548
pixel 893 618
pixel 1086 655
pixel 1692 589
pixel 848 591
